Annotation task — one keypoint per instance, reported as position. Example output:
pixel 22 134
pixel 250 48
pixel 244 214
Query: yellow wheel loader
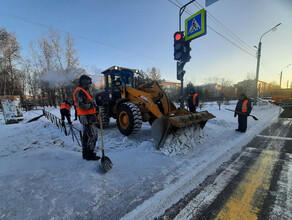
pixel 131 106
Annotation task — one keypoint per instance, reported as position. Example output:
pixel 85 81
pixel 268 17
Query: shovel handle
pixel 101 131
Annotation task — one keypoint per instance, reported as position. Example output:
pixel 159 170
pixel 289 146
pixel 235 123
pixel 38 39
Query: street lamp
pixel 258 62
pixel 281 74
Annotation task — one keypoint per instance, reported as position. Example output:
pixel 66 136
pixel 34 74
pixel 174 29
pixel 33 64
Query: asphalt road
pixel 254 184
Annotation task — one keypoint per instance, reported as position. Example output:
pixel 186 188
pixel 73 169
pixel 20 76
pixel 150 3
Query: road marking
pixel 247 199
pixel 283 204
pixel 207 196
pixel 275 137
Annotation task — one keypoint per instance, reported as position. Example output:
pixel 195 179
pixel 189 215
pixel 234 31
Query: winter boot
pixel 91 155
pixel 84 153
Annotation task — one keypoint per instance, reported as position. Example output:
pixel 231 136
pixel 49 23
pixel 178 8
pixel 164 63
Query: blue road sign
pixel 210 2
pixel 195 26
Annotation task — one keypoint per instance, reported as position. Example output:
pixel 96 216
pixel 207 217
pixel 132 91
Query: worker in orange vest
pixel 86 110
pixel 193 100
pixel 65 111
pixel 243 107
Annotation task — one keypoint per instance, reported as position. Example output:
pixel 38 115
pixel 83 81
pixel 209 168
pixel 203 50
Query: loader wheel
pixel 104 117
pixel 129 118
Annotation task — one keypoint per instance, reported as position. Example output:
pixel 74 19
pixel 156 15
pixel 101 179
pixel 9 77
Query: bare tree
pixel 9 56
pixel 154 74
pixel 142 78
pixel 55 65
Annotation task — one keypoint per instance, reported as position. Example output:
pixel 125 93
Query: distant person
pixel 243 109
pixel 86 111
pixel 193 100
pixel 65 111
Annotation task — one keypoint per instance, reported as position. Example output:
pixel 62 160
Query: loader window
pixel 127 78
pixel 109 80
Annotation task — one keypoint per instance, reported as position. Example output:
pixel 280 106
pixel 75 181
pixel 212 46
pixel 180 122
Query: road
pixel 254 184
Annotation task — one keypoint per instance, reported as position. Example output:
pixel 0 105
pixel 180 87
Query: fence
pixel 68 129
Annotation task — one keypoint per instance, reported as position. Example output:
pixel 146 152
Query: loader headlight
pixel 110 96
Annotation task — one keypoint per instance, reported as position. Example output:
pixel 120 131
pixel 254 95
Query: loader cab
pixel 114 78
pixel 118 76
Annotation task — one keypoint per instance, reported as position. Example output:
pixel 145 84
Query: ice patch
pixel 181 141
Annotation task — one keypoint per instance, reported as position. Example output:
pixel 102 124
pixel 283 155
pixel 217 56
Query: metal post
pixel 257 73
pixel 181 11
pixel 182 92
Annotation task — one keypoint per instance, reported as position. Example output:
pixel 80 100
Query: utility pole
pixel 281 74
pixel 258 63
pixel 280 79
pixel 257 73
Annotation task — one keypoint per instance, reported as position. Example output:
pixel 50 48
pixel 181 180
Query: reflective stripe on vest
pixel 65 105
pixel 88 98
pixel 244 106
pixel 194 98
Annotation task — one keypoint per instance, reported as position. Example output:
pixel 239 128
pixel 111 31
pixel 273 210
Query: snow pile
pixel 181 141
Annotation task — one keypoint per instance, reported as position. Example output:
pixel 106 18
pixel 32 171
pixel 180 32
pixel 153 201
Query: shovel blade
pixel 106 163
pixel 159 130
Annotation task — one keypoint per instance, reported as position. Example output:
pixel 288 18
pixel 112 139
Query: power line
pixel 25 20
pixel 221 35
pixel 243 43
pixel 226 30
pixel 265 65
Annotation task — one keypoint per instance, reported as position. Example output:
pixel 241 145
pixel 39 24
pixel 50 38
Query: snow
pixel 43 176
pixel 181 141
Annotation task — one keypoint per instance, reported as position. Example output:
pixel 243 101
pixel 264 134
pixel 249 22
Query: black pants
pixel 65 113
pixel 192 108
pixel 242 123
pixel 89 138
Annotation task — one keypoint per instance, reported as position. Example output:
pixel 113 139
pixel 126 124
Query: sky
pixel 139 34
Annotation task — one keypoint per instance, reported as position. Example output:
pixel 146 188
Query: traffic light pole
pixel 181 11
pixel 182 100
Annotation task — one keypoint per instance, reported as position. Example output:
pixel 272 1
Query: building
pixel 170 85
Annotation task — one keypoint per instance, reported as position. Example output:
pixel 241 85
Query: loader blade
pixel 160 130
pixel 163 127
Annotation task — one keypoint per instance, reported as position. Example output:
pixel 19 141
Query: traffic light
pixel 180 70
pixel 178 45
pixel 181 47
pixel 186 57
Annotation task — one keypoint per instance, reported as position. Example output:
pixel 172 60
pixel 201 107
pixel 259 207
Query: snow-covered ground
pixel 43 176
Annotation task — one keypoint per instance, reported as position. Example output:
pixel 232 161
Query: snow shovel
pixel 105 161
pixel 34 119
pixel 240 113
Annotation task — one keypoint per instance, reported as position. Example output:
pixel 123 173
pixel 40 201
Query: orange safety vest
pixel 88 98
pixel 65 105
pixel 244 106
pixel 194 98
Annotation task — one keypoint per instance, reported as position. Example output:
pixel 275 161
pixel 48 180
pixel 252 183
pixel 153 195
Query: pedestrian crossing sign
pixel 195 26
